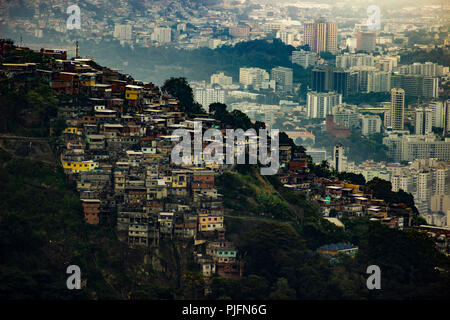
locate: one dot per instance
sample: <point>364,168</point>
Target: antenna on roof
<point>77,50</point>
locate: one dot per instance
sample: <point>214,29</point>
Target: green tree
<point>282,291</point>
<point>180,89</point>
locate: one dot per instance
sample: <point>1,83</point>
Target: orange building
<point>91,208</point>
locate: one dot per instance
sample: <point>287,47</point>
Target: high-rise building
<point>363,76</point>
<point>348,60</point>
<point>283,78</point>
<point>404,182</point>
<point>285,37</point>
<point>241,32</point>
<point>123,32</point>
<point>370,124</point>
<point>437,108</point>
<point>321,36</point>
<point>446,121</point>
<point>440,203</point>
<point>253,77</point>
<point>317,155</point>
<point>345,82</point>
<point>326,79</point>
<point>320,104</point>
<point>162,35</point>
<point>424,121</point>
<point>321,79</point>
<point>379,81</point>
<point>411,147</point>
<point>366,41</point>
<point>338,158</point>
<point>416,85</point>
<point>387,118</point>
<point>441,181</point>
<point>397,108</point>
<point>303,58</point>
<point>425,69</point>
<point>346,115</point>
<point>221,79</point>
<point>206,96</point>
<point>424,187</point>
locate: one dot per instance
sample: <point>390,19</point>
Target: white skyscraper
<point>424,121</point>
<point>370,124</point>
<point>221,79</point>
<point>404,182</point>
<point>437,108</point>
<point>303,58</point>
<point>283,78</point>
<point>253,77</point>
<point>123,32</point>
<point>379,81</point>
<point>441,181</point>
<point>411,147</point>
<point>320,104</point>
<point>285,37</point>
<point>339,158</point>
<point>424,190</point>
<point>347,60</point>
<point>206,96</point>
<point>397,108</point>
<point>162,35</point>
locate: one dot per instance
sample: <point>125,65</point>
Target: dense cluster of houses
<point>117,146</point>
<point>337,199</point>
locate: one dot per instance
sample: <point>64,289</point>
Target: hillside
<point>279,257</point>
<point>42,232</point>
<point>159,63</point>
<point>276,231</point>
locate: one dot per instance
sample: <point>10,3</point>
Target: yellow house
<point>87,79</point>
<point>354,187</point>
<point>78,166</point>
<point>132,92</point>
<point>179,179</point>
<point>72,130</point>
<point>212,165</point>
<point>208,222</point>
<point>167,179</point>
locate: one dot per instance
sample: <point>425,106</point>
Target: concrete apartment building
<point>320,104</point>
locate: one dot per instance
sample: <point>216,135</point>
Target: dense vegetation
<point>26,109</point>
<point>159,63</point>
<point>179,88</point>
<point>233,119</point>
<point>423,37</point>
<point>371,98</point>
<point>42,232</point>
<point>357,147</point>
<point>280,262</point>
<point>382,189</point>
<point>438,55</point>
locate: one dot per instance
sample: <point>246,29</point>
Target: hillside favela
<point>237,150</point>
